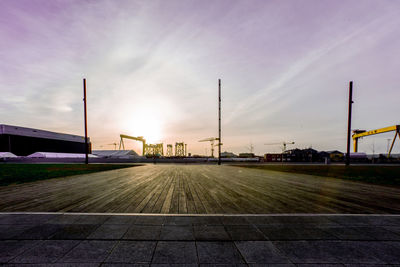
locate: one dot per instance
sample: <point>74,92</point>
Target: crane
<point>284,144</point>
<point>363,133</point>
<point>139,138</point>
<point>211,140</point>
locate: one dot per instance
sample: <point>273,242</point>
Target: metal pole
<point>349,123</point>
<point>85,118</point>
<point>219,121</point>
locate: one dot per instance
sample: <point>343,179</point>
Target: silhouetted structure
<point>23,141</point>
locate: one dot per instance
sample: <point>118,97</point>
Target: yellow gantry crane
<point>139,138</point>
<point>148,149</point>
<point>357,134</point>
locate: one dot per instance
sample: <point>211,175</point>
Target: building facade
<point>23,141</point>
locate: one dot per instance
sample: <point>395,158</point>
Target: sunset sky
<point>152,70</point>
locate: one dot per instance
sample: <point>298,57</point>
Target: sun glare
<point>146,126</point>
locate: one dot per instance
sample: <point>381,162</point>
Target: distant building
<point>302,155</point>
<point>228,155</point>
<point>23,141</point>
<point>246,155</point>
<point>275,157</point>
<point>335,155</point>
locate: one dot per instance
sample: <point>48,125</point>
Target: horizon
<point>152,70</point>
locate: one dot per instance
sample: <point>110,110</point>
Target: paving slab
<point>207,220</point>
<point>357,220</point>
<point>192,240</point>
<point>275,232</point>
<point>175,232</point>
<point>74,231</point>
<point>325,252</point>
<point>89,251</point>
<point>109,231</point>
<point>9,231</point>
<point>175,252</point>
<point>64,219</point>
<point>320,264</point>
<point>31,219</point>
<point>9,249</point>
<point>223,265</point>
<point>179,220</point>
<point>150,220</point>
<point>234,220</point>
<point>91,219</point>
<point>379,233</point>
<point>218,252</point>
<point>47,251</point>
<point>132,252</point>
<point>42,231</point>
<point>386,252</point>
<point>305,252</point>
<point>347,233</point>
<point>173,265</point>
<point>125,264</point>
<point>244,232</point>
<point>210,233</point>
<point>260,252</point>
<point>299,221</point>
<point>272,265</point>
<point>143,232</point>
<point>121,219</point>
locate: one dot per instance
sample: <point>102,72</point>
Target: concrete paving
<point>67,239</point>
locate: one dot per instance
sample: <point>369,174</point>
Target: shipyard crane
<point>211,140</point>
<point>139,138</point>
<point>357,134</point>
<point>284,144</point>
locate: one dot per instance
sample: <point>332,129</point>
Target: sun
<point>147,126</point>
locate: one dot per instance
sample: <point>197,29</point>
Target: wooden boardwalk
<point>199,189</point>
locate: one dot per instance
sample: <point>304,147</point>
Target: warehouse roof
<point>53,155</point>
<point>30,132</point>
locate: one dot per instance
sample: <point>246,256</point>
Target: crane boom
<point>138,138</point>
<point>362,133</point>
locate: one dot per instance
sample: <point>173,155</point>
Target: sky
<point>152,70</point>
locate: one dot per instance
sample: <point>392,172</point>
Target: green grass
<point>22,173</point>
<point>384,175</point>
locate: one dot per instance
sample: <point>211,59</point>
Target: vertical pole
<point>349,123</point>
<point>219,121</point>
<point>85,118</point>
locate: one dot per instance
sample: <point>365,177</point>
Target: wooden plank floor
<point>199,189</point>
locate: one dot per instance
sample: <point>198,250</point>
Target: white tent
<point>4,155</point>
<point>53,155</point>
<point>120,154</point>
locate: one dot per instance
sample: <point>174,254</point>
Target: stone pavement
<point>65,239</point>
